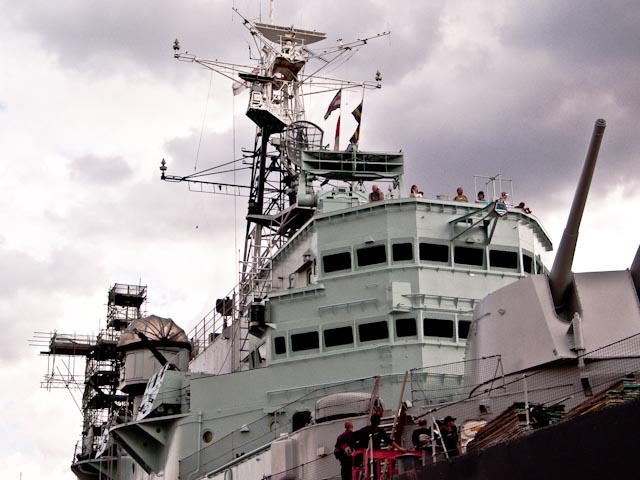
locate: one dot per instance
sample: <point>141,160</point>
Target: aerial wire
<point>235,197</point>
<point>204,119</point>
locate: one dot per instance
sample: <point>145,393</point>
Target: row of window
<point>428,252</point>
<point>367,332</point>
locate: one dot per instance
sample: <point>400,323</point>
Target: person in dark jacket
<point>450,438</point>
<point>421,436</point>
<point>378,436</point>
<point>343,449</point>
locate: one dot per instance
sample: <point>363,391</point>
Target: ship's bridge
<point>404,272</point>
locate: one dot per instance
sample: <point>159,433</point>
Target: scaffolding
<point>102,401</point>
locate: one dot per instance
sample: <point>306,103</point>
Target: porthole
<point>207,436</point>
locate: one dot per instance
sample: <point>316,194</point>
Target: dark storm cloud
<point>102,35</point>
<point>525,109</point>
<point>577,31</point>
<point>414,34</point>
<point>593,46</point>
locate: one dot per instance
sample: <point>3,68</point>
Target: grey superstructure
<point>339,297</point>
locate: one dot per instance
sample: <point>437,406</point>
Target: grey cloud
<point>529,116</point>
<point>577,31</point>
<point>65,270</point>
<point>99,170</point>
<point>143,208</point>
<point>31,289</point>
<point>593,45</point>
<point>101,36</point>
<point>414,32</point>
<point>525,110</point>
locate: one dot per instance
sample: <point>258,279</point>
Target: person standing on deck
<point>449,432</point>
<point>343,449</point>
<point>376,194</point>
<point>460,197</point>
<point>415,192</point>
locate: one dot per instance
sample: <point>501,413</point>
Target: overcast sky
<point>91,100</point>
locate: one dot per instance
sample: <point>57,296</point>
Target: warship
<point>347,304</point>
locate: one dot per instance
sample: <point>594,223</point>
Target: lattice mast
<point>276,106</point>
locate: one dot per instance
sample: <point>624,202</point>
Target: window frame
<point>398,241</point>
<point>439,318</point>
<point>304,351</point>
<point>370,246</point>
<point>482,266</point>
<point>405,337</point>
<point>427,241</point>
<point>341,345</point>
<point>506,250</point>
<point>364,323</point>
<point>330,253</point>
<point>284,337</point>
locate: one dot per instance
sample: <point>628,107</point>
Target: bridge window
<point>503,259</point>
<point>280,345</point>
<point>469,256</point>
<point>402,252</point>
<point>463,328</point>
<point>336,262</point>
<point>304,341</point>
<point>527,263</point>
<point>371,255</point>
<point>406,327</point>
<point>338,336</point>
<point>435,327</point>
<point>368,332</point>
<point>434,252</point>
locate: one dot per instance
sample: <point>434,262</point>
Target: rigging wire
<point>66,384</point>
<point>207,170</point>
<point>235,199</point>
<point>204,119</point>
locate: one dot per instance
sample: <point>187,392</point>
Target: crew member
<point>377,434</point>
<point>449,432</point>
<point>343,450</point>
<point>421,436</point>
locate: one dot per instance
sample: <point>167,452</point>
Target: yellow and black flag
<point>357,114</point>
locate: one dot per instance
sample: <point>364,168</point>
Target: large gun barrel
<point>560,276</point>
<point>635,271</point>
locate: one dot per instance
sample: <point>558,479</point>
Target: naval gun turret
<point>560,278</point>
<point>147,346</point>
<point>542,319</point>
